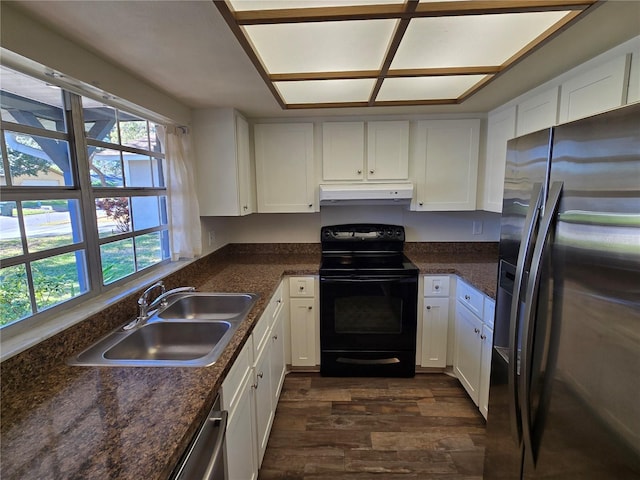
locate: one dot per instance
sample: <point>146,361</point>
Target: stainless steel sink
<point>204,306</point>
<point>191,331</point>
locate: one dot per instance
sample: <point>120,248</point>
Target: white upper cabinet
<point>501,127</point>
<point>285,177</point>
<point>538,112</point>
<point>225,180</point>
<point>388,150</point>
<point>446,164</point>
<point>386,157</point>
<point>343,151</point>
<point>602,88</point>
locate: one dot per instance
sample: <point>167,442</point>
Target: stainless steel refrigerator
<point>564,401</point>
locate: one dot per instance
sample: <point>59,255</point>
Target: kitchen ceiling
<point>187,49</point>
<point>367,53</point>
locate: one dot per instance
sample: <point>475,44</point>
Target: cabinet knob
<point>483,337</point>
<point>245,207</point>
<point>436,287</point>
<point>359,172</point>
<point>310,307</point>
<point>476,330</point>
<point>428,307</point>
<point>420,203</point>
<point>371,172</point>
<point>467,298</point>
<point>275,337</point>
<point>301,288</point>
<point>260,375</point>
<point>310,205</point>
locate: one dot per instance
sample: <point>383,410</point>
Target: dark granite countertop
<point>70,422</point>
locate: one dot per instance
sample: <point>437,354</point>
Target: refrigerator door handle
<point>530,223</point>
<point>528,326</point>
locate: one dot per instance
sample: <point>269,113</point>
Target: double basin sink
<point>192,330</point>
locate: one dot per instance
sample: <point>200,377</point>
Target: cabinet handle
<point>476,330</point>
<point>258,376</point>
<point>245,207</point>
<point>275,337</point>
<point>310,205</point>
<point>310,307</point>
<point>371,172</point>
<point>483,337</point>
<point>467,298</point>
<point>359,172</point>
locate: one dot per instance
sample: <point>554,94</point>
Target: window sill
<point>15,339</point>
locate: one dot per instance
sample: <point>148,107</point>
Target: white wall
<point>305,227</point>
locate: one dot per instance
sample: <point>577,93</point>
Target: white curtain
<point>184,213</point>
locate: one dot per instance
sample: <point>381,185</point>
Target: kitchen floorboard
<point>328,428</point>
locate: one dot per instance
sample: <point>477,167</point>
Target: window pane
<point>113,216</point>
<point>10,238</point>
<point>164,216</point>
<point>117,260</point>
<point>51,223</point>
<point>57,279</point>
<point>14,294</point>
<point>134,132</point>
<point>105,166</point>
<point>38,161</point>
<point>99,121</point>
<point>139,170</point>
<point>149,250</point>
<point>145,212</point>
<point>153,137</point>
<point>31,102</point>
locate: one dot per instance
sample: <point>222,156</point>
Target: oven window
<point>368,314</point>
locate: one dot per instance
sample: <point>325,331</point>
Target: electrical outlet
<point>212,237</point>
<point>477,228</point>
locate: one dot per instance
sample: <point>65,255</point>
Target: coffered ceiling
<point>367,53</point>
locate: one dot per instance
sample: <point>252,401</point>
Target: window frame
<point>22,333</point>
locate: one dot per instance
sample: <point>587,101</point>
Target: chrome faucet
<point>146,308</point>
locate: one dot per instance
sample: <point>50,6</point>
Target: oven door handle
<point>365,279</point>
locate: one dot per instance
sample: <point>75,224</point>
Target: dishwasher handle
<point>203,462</point>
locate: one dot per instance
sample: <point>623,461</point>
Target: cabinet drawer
<point>260,333</point>
<point>231,390</point>
<point>436,286</point>
<point>302,286</point>
<point>471,298</point>
<point>489,311</point>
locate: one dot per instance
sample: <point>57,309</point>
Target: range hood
<point>366,194</point>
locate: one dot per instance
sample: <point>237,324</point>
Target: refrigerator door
<point>583,376</point>
<point>526,174</point>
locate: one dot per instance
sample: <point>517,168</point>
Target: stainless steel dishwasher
<point>204,459</point>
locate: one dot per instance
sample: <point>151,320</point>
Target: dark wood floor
<point>374,428</point>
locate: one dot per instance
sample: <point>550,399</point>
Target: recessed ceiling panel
<point>326,91</point>
<point>473,40</point>
<point>426,88</point>
<point>243,5</point>
<point>322,46</point>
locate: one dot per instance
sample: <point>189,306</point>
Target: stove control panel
<point>364,232</point>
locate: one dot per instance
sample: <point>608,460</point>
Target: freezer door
<point>584,366</point>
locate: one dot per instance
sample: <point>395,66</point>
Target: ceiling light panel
<point>474,40</point>
<point>244,5</point>
<point>322,46</point>
<point>326,91</point>
<point>426,88</point>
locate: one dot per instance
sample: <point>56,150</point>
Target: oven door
<point>368,312</point>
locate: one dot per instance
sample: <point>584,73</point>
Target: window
<point>83,199</point>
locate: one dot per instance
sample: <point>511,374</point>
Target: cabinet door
<point>278,368</point>
<point>466,362</point>
<point>501,128</point>
<point>447,154</point>
<point>224,180</point>
<point>601,88</point>
<point>486,339</point>
<point>240,443</point>
<point>285,175</point>
<point>388,150</point>
<point>303,332</point>
<point>538,112</point>
<point>342,150</point>
<point>246,187</point>
<point>263,404</point>
<point>435,323</point>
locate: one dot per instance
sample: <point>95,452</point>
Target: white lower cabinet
<point>435,321</point>
<point>305,342</point>
<point>474,341</point>
<point>251,390</point>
